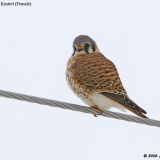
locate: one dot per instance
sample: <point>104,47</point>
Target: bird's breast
<point>74,81</point>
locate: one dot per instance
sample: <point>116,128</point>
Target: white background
<point>35,44</point>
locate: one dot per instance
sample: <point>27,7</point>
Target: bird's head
<point>83,44</point>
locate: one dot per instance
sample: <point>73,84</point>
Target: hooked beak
<point>80,47</point>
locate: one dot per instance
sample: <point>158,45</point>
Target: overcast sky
<point>35,44</point>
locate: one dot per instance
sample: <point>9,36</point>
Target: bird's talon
<point>97,109</point>
<point>96,115</point>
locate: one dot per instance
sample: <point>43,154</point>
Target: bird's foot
<point>97,109</point>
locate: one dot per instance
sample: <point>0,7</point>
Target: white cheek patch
<point>90,49</point>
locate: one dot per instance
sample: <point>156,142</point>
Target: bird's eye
<point>86,47</point>
<point>74,48</point>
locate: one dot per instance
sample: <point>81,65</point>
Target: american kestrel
<point>94,78</point>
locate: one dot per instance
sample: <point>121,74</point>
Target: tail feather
<point>138,111</point>
<point>126,102</point>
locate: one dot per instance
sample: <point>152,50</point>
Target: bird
<point>95,79</point>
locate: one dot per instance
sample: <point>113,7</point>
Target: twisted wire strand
<point>75,107</point>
